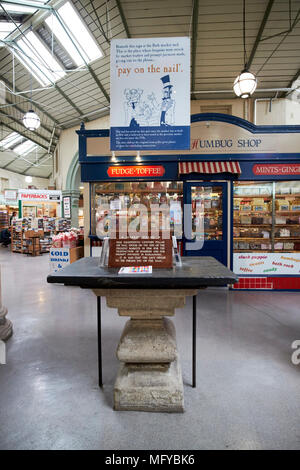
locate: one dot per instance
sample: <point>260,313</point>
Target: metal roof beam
<point>260,32</point>
<point>295,77</point>
<point>35,163</point>
<point>123,18</point>
<point>194,43</point>
<point>99,84</point>
<point>10,86</point>
<point>25,3</point>
<point>20,173</point>
<point>22,134</point>
<point>71,103</point>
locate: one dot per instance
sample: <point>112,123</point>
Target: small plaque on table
<point>130,252</point>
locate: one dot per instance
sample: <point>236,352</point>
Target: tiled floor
<point>248,393</point>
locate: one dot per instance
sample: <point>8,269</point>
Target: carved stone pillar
<point>149,377</point>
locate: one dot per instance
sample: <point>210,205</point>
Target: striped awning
<point>209,167</point>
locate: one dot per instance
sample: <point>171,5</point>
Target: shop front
<point>38,203</point>
<point>234,196</point>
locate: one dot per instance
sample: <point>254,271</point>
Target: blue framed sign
<point>150,94</point>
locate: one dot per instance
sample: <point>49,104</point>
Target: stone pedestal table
<point>149,377</point>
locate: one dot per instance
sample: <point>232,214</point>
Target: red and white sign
<point>39,195</point>
<point>137,171</point>
<point>277,169</point>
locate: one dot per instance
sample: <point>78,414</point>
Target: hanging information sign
<point>150,94</point>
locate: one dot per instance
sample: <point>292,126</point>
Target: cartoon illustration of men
<point>131,104</point>
<point>167,116</point>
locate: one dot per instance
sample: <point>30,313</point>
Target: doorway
<point>206,220</point>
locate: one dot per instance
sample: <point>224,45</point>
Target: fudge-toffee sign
<point>135,171</point>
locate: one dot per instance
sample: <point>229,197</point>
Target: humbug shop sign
<point>150,94</point>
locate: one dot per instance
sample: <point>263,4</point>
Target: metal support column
<point>99,341</point>
<point>194,339</point>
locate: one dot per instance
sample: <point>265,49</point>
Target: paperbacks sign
<point>130,252</point>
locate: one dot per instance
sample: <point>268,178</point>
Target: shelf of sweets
<point>287,225</point>
<point>286,251</point>
<point>240,239</point>
<point>257,196</point>
<point>239,250</point>
<point>289,195</point>
<point>287,213</point>
<point>251,225</point>
<point>297,239</point>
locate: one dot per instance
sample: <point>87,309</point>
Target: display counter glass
<point>115,199</point>
<point>207,212</point>
<point>266,217</point>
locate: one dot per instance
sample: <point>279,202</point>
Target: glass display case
<point>266,217</point>
<point>287,216</point>
<point>207,212</point>
<point>113,200</point>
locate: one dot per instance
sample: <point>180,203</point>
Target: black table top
<point>202,271</point>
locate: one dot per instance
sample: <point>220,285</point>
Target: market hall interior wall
<point>17,181</point>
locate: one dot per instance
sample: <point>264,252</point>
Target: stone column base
<point>149,378</point>
<point>6,328</point>
<point>149,387</point>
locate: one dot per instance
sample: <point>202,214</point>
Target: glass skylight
<point>25,148</point>
<point>10,140</point>
<point>38,60</point>
<point>6,27</point>
<point>18,8</point>
<point>81,39</point>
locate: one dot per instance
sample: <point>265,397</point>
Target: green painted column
<point>74,194</point>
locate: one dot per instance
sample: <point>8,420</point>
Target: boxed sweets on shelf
<point>267,220</point>
<point>293,220</point>
<point>282,205</point>
<point>243,246</point>
<point>257,220</point>
<point>288,246</point>
<point>245,220</point>
<point>283,232</point>
<point>245,207</point>
<point>296,206</point>
<point>278,246</point>
<point>279,220</point>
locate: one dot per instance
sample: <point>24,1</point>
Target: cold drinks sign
<point>150,94</point>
